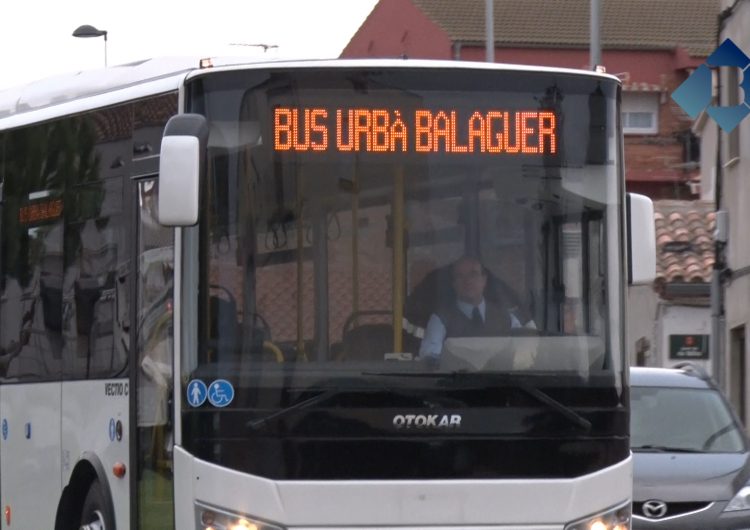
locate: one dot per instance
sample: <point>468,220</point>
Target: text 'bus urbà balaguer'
<point>383,130</point>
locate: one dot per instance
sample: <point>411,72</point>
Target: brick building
<point>652,45</point>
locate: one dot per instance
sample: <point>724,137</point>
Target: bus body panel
<point>30,456</point>
<point>346,501</point>
<point>401,503</point>
<point>73,420</point>
<point>93,430</point>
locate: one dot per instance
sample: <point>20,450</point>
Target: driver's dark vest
<point>496,322</point>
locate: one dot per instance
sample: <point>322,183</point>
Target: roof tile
<point>684,241</point>
<point>626,24</point>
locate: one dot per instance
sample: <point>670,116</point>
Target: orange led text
<point>420,131</point>
<point>40,211</point>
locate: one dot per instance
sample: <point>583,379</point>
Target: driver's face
<point>469,281</point>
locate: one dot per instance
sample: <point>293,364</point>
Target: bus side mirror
<point>182,163</point>
<point>641,239</point>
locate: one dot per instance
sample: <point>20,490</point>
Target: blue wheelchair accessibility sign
<point>196,393</point>
<point>220,393</point>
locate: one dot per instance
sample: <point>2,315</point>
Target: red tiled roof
<point>684,241</point>
<point>625,24</point>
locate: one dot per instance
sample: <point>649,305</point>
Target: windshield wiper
<point>507,380</point>
<point>718,434</point>
<point>664,449</point>
<point>261,422</point>
<point>326,394</point>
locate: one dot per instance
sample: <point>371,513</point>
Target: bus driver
<point>471,314</point>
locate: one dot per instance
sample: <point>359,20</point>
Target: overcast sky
<point>36,41</point>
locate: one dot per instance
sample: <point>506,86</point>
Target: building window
<point>640,113</point>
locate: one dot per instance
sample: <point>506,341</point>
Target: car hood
<point>688,477</point>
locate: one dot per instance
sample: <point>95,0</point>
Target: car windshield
<point>682,420</point>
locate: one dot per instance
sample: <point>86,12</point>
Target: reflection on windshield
<point>682,420</point>
<point>531,301</point>
<point>477,263</point>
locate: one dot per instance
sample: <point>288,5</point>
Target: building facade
<point>670,322</point>
<point>732,174</point>
<point>651,45</point>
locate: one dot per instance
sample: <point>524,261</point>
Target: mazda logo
<point>654,509</point>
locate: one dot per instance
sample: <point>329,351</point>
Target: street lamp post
<point>87,31</point>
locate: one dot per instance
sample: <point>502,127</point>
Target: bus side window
<point>30,334</point>
<point>94,246</point>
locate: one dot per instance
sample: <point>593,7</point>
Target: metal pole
<point>355,248</point>
<point>717,364</point>
<point>715,344</point>
<point>721,238</point>
<point>320,274</point>
<point>595,45</point>
<point>300,272</point>
<point>105,49</point>
<point>399,259</point>
<point>489,24</point>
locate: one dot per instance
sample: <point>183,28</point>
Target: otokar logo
<point>427,421</point>
<point>694,94</point>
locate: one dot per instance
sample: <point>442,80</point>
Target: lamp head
<point>87,31</point>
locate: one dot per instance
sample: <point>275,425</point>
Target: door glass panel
<point>154,379</point>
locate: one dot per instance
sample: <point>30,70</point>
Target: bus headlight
<point>741,501</point>
<point>614,519</point>
<point>209,518</point>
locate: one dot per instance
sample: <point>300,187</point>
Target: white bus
<point>236,297</point>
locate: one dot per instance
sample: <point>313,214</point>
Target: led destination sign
<point>392,130</point>
<point>40,212</point>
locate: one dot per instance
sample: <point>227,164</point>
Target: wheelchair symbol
<point>220,393</point>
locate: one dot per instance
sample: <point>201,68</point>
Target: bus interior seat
<point>223,328</point>
<point>225,334</point>
<point>368,342</point>
<point>372,339</point>
<point>436,290</point>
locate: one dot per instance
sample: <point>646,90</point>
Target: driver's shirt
<point>435,332</point>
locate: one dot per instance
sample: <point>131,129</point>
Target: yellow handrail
<point>398,211</point>
<point>300,271</point>
<point>275,350</point>
<point>355,247</point>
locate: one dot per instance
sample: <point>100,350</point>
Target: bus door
<point>153,379</point>
<point>2,183</point>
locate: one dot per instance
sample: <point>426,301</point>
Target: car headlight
<point>741,501</point>
<point>613,519</point>
<point>209,518</point>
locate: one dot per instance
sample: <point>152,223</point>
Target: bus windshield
<point>378,242</point>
